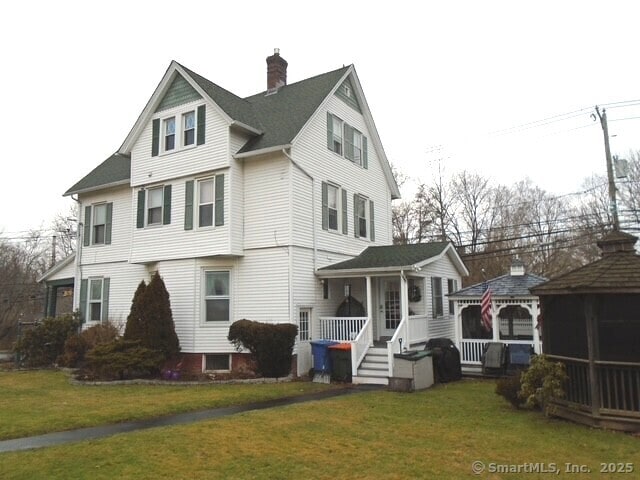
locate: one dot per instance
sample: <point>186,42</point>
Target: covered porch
<point>383,302</point>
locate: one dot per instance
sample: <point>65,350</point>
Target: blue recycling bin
<point>321,357</point>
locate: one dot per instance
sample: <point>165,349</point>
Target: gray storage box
<point>416,366</point>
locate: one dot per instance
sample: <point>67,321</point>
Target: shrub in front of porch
<point>43,344</point>
<point>542,381</point>
<point>77,346</point>
<point>271,344</point>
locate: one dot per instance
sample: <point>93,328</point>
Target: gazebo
<point>592,325</point>
<point>514,314</point>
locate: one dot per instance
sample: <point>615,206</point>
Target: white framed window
<point>361,215</point>
<point>95,299</point>
<point>333,206</point>
<point>189,128</point>
<point>217,362</point>
<point>353,144</point>
<point>217,296</point>
<point>436,297</point>
<point>99,224</point>
<point>334,133</point>
<point>205,202</point>
<point>304,324</point>
<point>169,130</point>
<point>154,205</point>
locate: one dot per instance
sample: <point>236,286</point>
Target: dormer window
<point>189,128</point>
<point>169,133</point>
<point>346,141</point>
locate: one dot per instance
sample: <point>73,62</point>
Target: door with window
<point>390,312</point>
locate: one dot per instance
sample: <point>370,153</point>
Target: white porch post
<point>369,311</point>
<point>534,323</point>
<point>495,323</point>
<point>404,306</point>
<point>457,318</point>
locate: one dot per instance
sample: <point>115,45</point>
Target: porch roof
<point>504,286</point>
<point>395,258</point>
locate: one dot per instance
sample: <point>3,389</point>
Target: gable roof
<point>274,119</point>
<point>396,257</point>
<point>115,170</point>
<point>503,286</point>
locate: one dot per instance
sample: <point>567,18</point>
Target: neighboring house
<point>514,314</point>
<point>238,203</point>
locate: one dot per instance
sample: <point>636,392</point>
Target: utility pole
<point>612,184</point>
<point>53,250</point>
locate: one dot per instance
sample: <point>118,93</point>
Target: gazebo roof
<point>618,271</point>
<point>503,286</point>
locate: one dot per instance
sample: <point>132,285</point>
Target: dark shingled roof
<point>506,285</point>
<point>391,256</point>
<point>284,113</point>
<point>618,271</point>
<point>115,169</point>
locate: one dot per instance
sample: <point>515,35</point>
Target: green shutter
<point>107,227</point>
<point>345,227</point>
<point>329,131</point>
<point>155,137</point>
<point>325,206</point>
<point>348,142</point>
<point>219,205</point>
<point>105,300</point>
<point>140,213</point>
<point>372,223</point>
<point>201,124</point>
<point>166,210</point>
<point>356,224</point>
<point>84,286</point>
<point>188,205</point>
<point>365,154</point>
<point>86,241</point>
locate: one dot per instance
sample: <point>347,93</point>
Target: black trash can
<point>340,354</point>
<point>446,360</point>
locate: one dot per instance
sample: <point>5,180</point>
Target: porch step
<point>374,368</point>
<point>369,380</point>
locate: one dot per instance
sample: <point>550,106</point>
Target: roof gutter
<point>262,151</point>
<point>354,272</point>
<point>97,187</point>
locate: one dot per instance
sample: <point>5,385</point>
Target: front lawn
<point>34,402</point>
<point>437,433</point>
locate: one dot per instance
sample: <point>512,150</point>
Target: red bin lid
<point>340,346</point>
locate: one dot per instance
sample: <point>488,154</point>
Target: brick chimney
<point>276,71</point>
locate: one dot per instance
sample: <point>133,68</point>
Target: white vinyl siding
<point>444,325</point>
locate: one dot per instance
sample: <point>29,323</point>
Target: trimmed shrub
<point>271,344</point>
<point>77,346</point>
<point>123,359</point>
<point>542,381</point>
<point>151,321</point>
<point>43,344</point>
<point>509,388</point>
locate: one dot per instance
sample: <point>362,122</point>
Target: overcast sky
<point>444,80</point>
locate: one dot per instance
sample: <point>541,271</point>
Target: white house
<point>243,205</point>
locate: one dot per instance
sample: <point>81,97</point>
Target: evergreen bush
<point>509,388</point>
<point>77,346</point>
<point>123,359</point>
<point>43,344</point>
<point>542,381</point>
<point>271,344</point>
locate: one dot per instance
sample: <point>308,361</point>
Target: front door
<point>390,309</point>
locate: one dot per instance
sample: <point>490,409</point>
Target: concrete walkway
<point>91,433</point>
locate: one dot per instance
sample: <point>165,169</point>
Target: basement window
<point>218,362</point>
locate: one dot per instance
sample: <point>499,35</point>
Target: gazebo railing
<point>471,349</point>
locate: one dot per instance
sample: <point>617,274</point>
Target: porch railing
<point>618,384</point>
<point>341,329</point>
<point>360,345</point>
<point>398,343</point>
<point>418,329</point>
<point>471,349</point>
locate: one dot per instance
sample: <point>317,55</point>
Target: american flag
<point>485,308</point>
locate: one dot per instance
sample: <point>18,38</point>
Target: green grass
<point>34,402</point>
<point>436,433</point>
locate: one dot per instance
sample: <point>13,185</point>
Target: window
<point>95,300</point>
<point>361,215</point>
<point>217,362</point>
<point>189,128</point>
<point>169,134</point>
<point>99,223</point>
<point>452,286</point>
<point>334,133</point>
<point>436,297</point>
<point>154,206</point>
<point>304,320</point>
<point>332,205</point>
<point>216,296</point>
<point>353,144</point>
<point>205,202</point>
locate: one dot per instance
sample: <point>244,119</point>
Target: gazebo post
<point>593,343</point>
